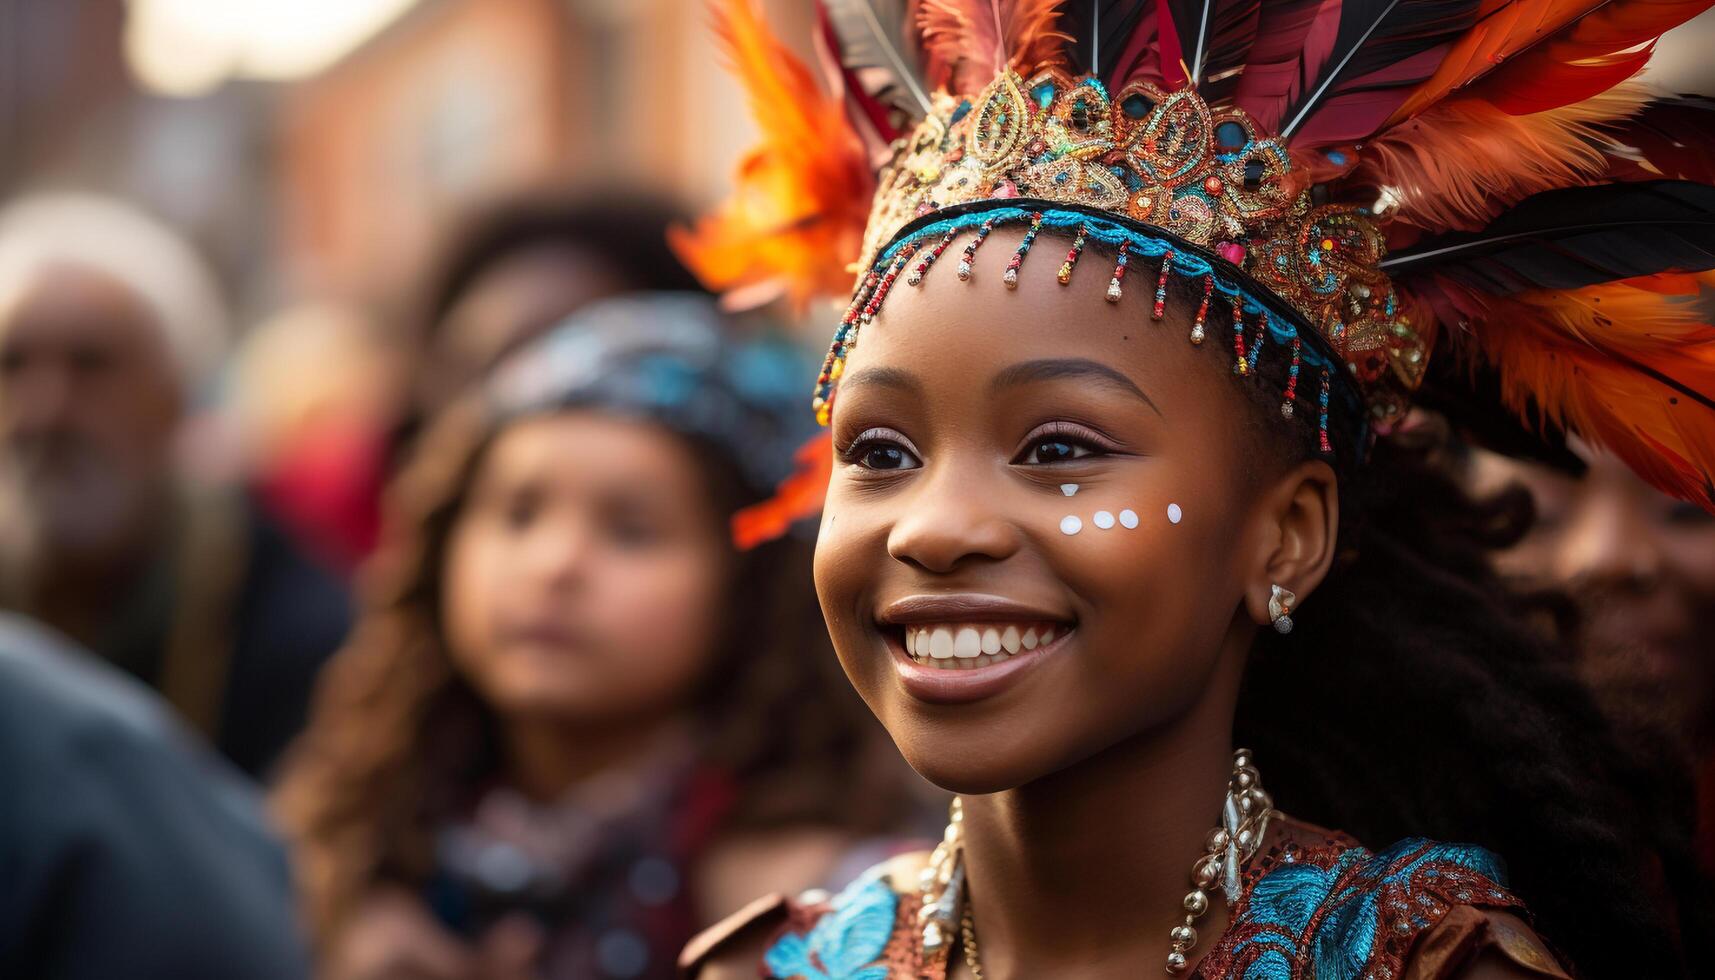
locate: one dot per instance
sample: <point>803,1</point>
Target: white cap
<point>136,250</point>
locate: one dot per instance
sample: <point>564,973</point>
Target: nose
<point>1610,544</point>
<point>558,555</point>
<point>949,523</point>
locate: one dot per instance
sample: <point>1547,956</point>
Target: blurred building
<point>318,149</point>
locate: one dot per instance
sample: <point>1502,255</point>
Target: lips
<point>960,648</point>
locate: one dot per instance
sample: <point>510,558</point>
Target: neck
<point>545,757</point>
<point>1085,871</point>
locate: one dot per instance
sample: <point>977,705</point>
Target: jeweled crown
<point>1171,161</point>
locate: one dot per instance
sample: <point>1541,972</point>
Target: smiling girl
<point>1125,510</point>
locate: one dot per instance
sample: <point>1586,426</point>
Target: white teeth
<point>961,646</point>
<point>967,645</point>
<point>941,643</point>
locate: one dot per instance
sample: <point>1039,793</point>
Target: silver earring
<point>1280,609</point>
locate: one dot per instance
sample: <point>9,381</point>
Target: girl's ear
<point>1293,536</point>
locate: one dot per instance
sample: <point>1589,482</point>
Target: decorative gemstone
<point>1213,185</point>
<point>1231,251</point>
<point>1005,189</point>
<point>1254,169</point>
<point>1230,136</point>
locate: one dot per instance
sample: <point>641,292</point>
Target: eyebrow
<point>1056,369</point>
<point>882,377</point>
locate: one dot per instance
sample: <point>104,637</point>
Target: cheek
<point>660,614</point>
<point>851,548</point>
<point>1149,565</point>
<point>471,581</point>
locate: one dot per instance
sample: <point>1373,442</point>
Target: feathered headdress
<point>1360,181</point>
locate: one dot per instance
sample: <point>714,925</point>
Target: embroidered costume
<point>1314,905</point>
<point>1461,203</point>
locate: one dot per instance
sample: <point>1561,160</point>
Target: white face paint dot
<point>1068,488</point>
<point>1104,520</point>
<point>1128,517</point>
<point>1174,513</point>
<point>1070,524</point>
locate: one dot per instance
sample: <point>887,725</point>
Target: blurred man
<point>128,850</point>
<point>1642,568</point>
<point>109,326</point>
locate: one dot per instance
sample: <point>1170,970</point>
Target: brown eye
<point>881,456</point>
<point>880,449</point>
<point>1046,452</point>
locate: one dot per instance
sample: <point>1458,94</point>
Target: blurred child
<point>574,723</point>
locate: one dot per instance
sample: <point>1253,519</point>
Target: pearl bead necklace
<point>1244,820</point>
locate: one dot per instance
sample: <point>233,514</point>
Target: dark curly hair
<point>396,736</point>
<point>1418,696</point>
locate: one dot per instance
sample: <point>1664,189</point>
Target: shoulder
<point>1322,899</point>
<point>846,935</point>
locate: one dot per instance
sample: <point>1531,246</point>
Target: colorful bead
<point>1256,345</point>
<point>1322,423</point>
<point>1161,286</point>
<point>929,257</point>
<point>1077,249</point>
<point>1202,310</point>
<point>971,250</point>
<point>1292,378</point>
<point>1119,272</point>
<point>1010,276</point>
<point>1240,365</point>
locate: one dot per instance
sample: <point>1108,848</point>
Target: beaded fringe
<point>1249,339</point>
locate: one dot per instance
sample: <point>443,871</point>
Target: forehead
<point>592,448</point>
<point>946,331</point>
<point>73,304</point>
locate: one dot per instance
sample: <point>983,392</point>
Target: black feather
<point>1099,28</point>
<point>1379,38</point>
<point>1575,237</point>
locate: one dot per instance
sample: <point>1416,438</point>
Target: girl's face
<point>1038,467</point>
<point>585,574</point>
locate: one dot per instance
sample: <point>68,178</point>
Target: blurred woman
<point>573,722</point>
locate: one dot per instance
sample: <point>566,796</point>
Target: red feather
<point>1293,42</point>
<point>1503,28</point>
<point>1671,137</point>
<point>1603,47</point>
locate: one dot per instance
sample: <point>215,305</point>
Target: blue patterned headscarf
<point>673,359</point>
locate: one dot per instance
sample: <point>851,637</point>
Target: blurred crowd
<point>417,645</point>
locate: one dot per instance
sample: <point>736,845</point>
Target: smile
<point>971,646</point>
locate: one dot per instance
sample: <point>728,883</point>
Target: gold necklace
<point>1244,819</point>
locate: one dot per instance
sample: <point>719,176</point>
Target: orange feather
<point>1593,361</point>
<point>1461,162</point>
<point>1503,28</point>
<point>797,216</point>
<point>799,496</point>
<point>979,39</point>
<point>1605,46</point>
